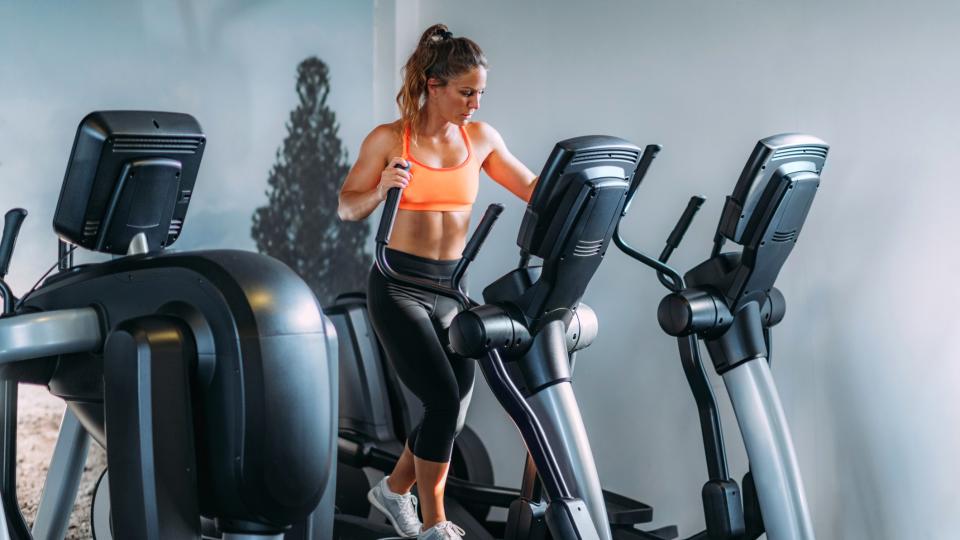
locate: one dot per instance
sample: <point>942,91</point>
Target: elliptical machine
<point>525,334</point>
<point>376,413</point>
<point>209,376</point>
<point>729,301</point>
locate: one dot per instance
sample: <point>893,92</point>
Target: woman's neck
<point>433,126</point>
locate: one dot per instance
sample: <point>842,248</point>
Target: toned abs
<point>433,235</point>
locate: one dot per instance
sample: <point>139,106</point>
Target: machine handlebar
<point>11,229</point>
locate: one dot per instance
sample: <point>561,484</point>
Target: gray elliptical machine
<point>730,303</point>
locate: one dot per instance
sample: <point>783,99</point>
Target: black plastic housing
<point>773,156</point>
<point>570,161</point>
<point>722,509</point>
<point>485,327</point>
<point>367,406</point>
<point>264,385</point>
<point>764,214</point>
<point>571,217</point>
<point>129,172</point>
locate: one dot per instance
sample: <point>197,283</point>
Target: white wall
<point>864,360</point>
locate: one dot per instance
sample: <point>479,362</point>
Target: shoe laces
<point>449,526</point>
<point>408,505</point>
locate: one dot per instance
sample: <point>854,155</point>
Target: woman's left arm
<point>504,167</point>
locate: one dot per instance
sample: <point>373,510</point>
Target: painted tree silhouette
<point>299,224</point>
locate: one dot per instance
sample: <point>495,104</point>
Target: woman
<point>444,150</point>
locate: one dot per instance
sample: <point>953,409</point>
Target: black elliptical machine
<point>376,413</point>
<point>209,376</point>
<point>729,301</point>
<point>525,335</point>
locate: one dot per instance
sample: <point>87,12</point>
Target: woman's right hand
<point>394,175</point>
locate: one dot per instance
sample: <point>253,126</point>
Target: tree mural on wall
<point>299,223</point>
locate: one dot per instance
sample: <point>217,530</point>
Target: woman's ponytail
<point>439,56</point>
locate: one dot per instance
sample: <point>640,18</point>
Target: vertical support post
<point>64,256</point>
<point>773,461</point>
<point>63,480</point>
<point>149,429</point>
<point>320,523</point>
<point>16,525</point>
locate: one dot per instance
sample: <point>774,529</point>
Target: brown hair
<point>440,56</point>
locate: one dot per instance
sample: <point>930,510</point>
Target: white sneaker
<point>445,530</point>
<point>401,510</point>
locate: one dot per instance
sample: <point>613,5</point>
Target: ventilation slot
<point>91,227</point>
<point>788,236</point>
<point>175,226</point>
<point>812,151</point>
<point>628,156</point>
<point>170,145</point>
<point>587,248</point>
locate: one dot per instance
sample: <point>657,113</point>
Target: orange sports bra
<point>447,189</point>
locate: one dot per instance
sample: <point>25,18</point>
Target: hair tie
<point>441,35</point>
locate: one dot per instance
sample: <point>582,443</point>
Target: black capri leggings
<point>412,326</point>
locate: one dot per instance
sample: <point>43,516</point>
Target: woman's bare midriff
<point>432,235</point>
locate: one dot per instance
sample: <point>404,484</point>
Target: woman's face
<point>457,100</point>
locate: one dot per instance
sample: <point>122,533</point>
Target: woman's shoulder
<point>384,140</point>
<point>482,131</point>
<point>386,134</point>
<point>484,138</point>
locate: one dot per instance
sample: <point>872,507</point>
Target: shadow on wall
<point>299,224</point>
<point>863,468</point>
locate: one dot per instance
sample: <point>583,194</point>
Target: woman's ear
<point>433,86</point>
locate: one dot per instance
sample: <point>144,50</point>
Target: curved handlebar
<point>676,235</point>
<point>11,229</point>
<point>390,207</point>
<point>480,235</point>
<point>476,240</point>
<point>669,277</point>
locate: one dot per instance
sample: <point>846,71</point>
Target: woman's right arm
<point>371,176</point>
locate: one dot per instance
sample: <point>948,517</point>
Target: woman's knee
<point>444,416</point>
<point>438,429</point>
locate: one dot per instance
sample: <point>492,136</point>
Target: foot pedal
<point>623,511</point>
<point>666,533</point>
<point>669,532</point>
